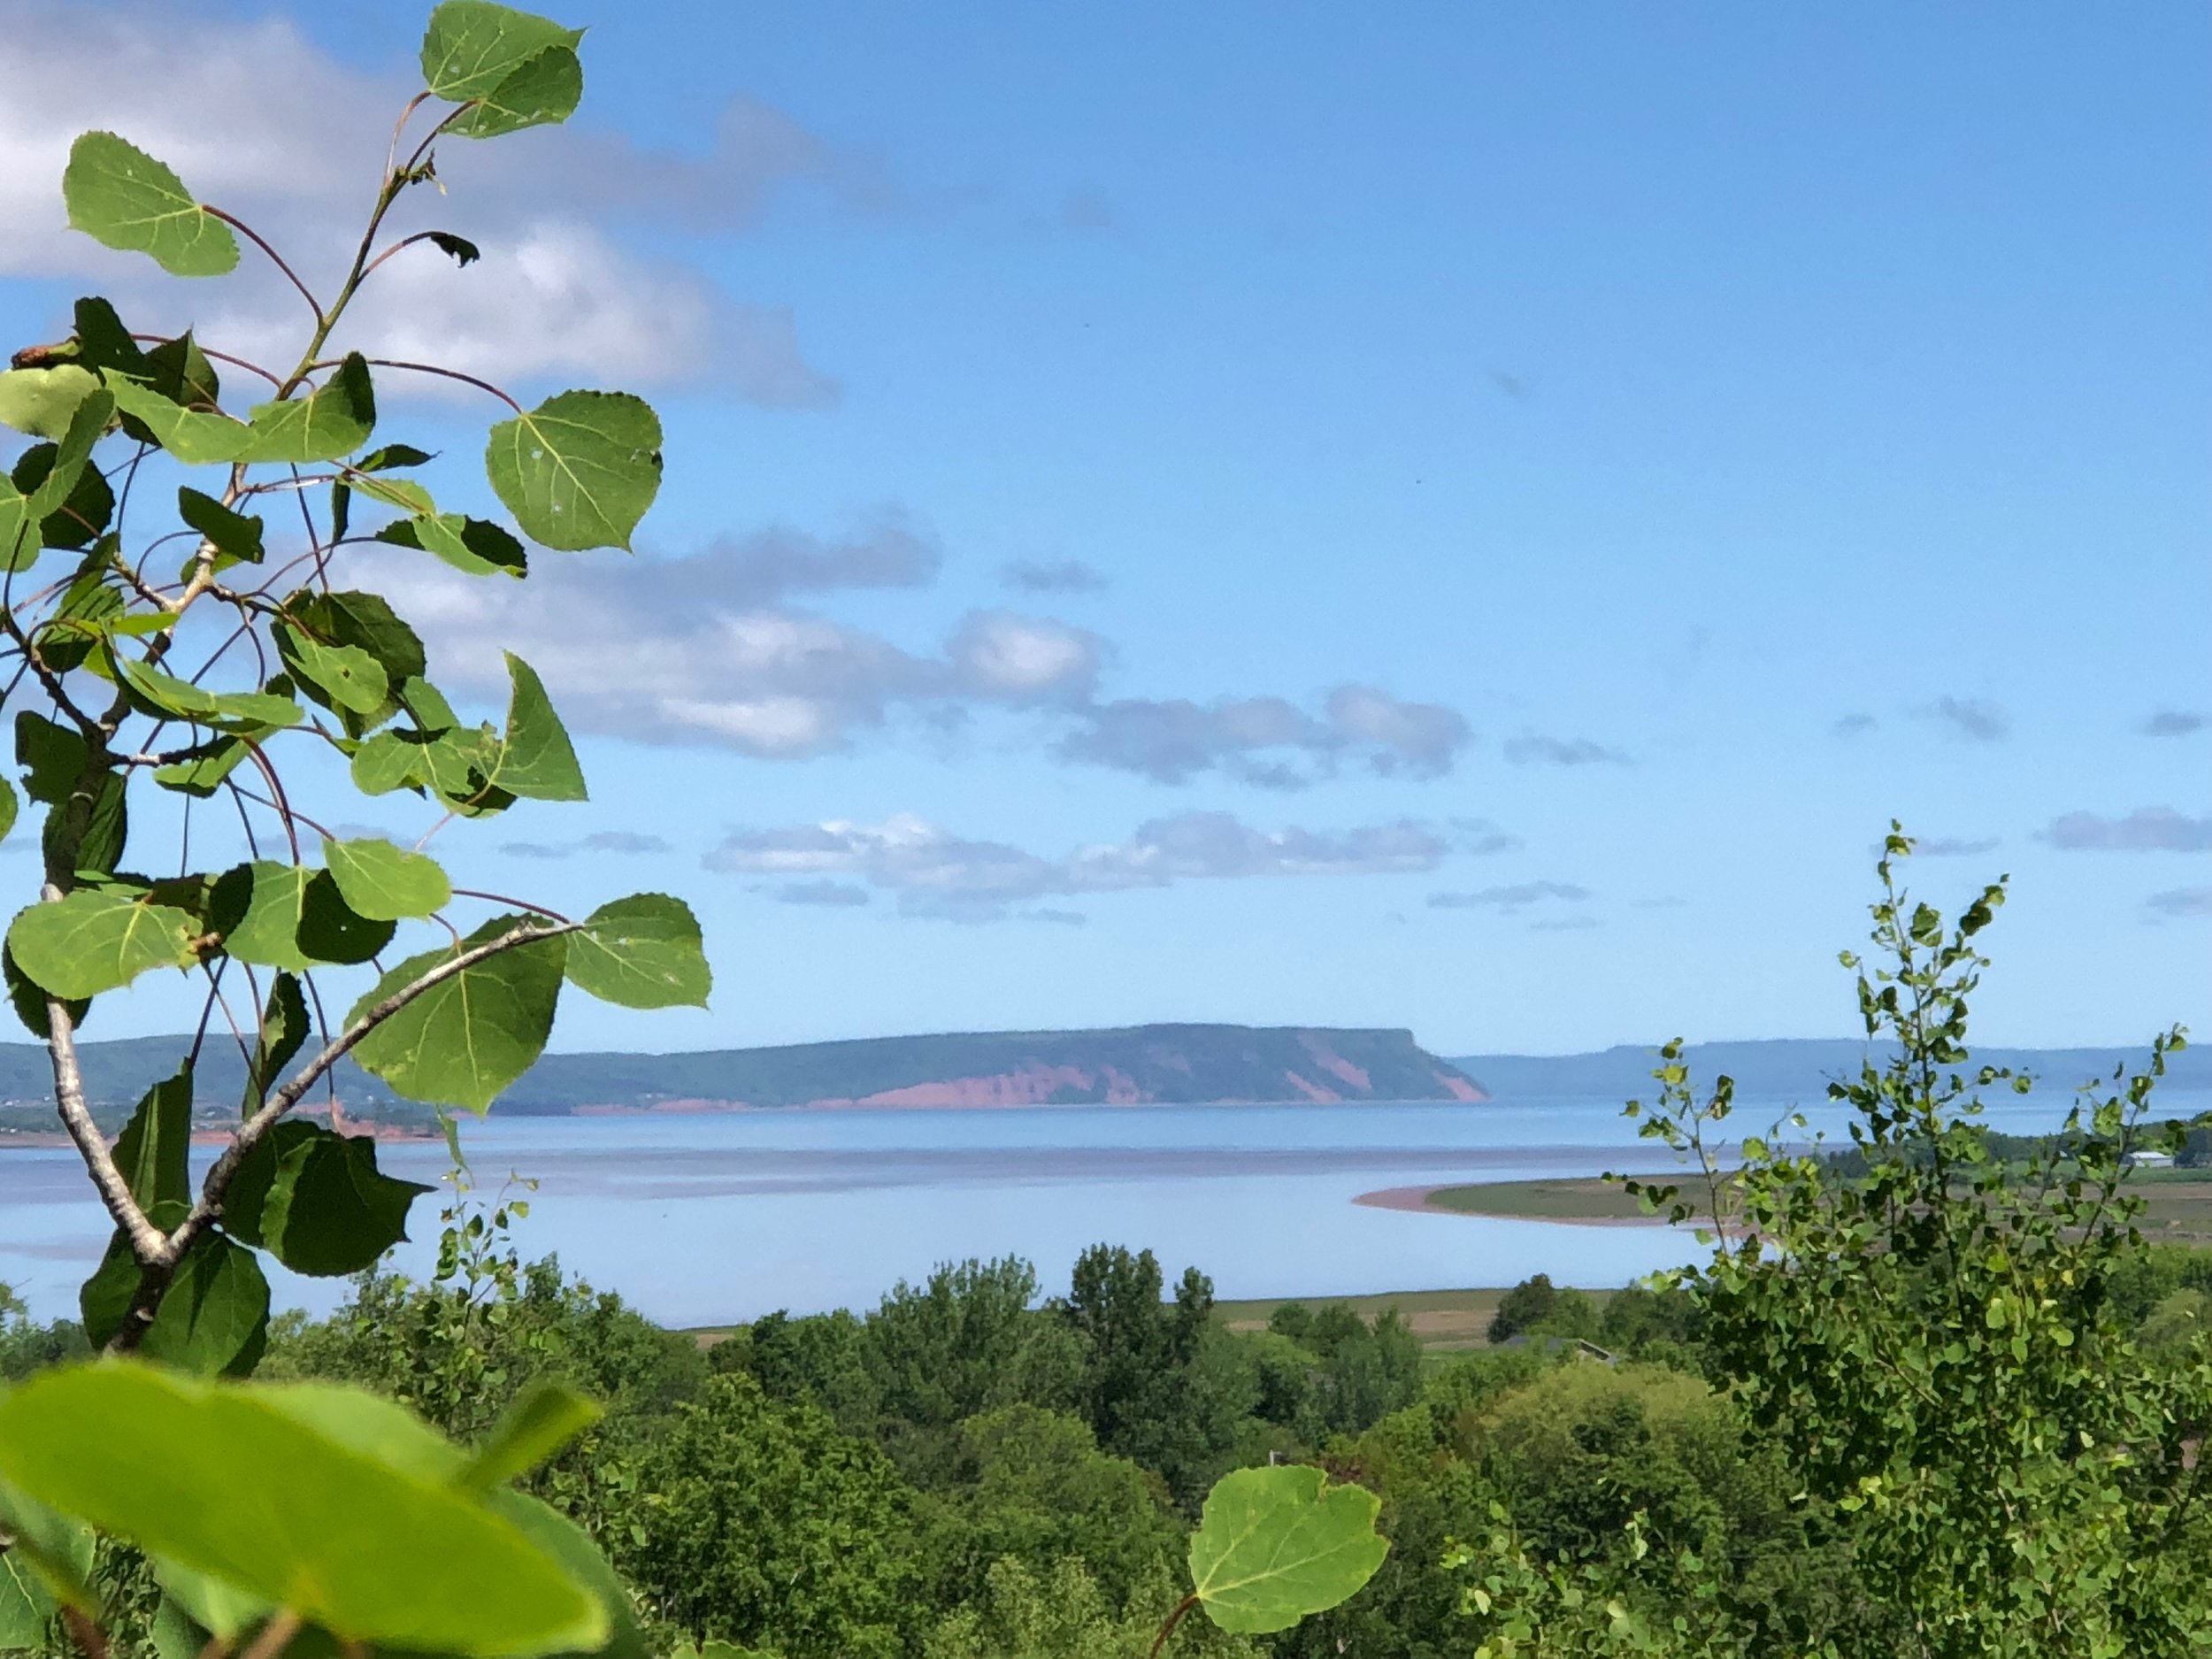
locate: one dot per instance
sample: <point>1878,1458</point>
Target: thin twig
<point>276,259</point>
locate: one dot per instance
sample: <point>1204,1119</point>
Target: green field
<point>1446,1321</point>
<point>1585,1198</point>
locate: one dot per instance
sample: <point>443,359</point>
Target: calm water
<point>697,1219</point>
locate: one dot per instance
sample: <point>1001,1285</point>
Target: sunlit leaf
<point>226,1480</point>
<point>474,1033</point>
<point>118,194</point>
<point>535,757</point>
<point>39,402</point>
<point>196,437</point>
<point>545,1418</point>
<point>543,89</point>
<point>299,919</point>
<point>383,883</point>
<point>98,938</point>
<point>471,45</point>
<point>332,421</point>
<point>643,951</point>
<point>226,711</point>
<point>347,677</point>
<point>1276,1544</point>
<point>579,470</point>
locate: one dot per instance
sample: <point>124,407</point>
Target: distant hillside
<point>1140,1063</point>
<point>1783,1069</point>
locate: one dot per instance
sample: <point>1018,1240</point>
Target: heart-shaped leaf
<point>118,194</point>
<point>643,951</point>
<point>316,1200</point>
<point>579,470</point>
<point>1276,1544</point>
<point>535,757</point>
<point>98,938</point>
<point>333,420</point>
<point>383,883</point>
<point>475,1032</point>
<point>298,918</point>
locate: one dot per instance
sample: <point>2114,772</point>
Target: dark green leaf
<point>579,470</point>
<point>463,251</point>
<point>284,1028</point>
<point>471,45</point>
<point>332,421</point>
<point>298,919</point>
<point>29,1001</point>
<point>87,831</point>
<point>469,1036</point>
<point>365,622</point>
<point>253,1486</point>
<point>98,938</point>
<point>316,1200</point>
<point>54,757</point>
<point>9,807</point>
<point>82,514</point>
<point>643,951</point>
<point>543,90</point>
<point>213,1319</point>
<point>386,457</point>
<point>181,373</point>
<point>236,535</point>
<point>152,1150</point>
<point>383,883</point>
<point>103,343</point>
<point>118,194</point>
<point>474,545</point>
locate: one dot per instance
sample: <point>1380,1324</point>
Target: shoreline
<point>1415,1200</point>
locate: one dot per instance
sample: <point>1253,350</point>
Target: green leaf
<point>545,1418</point>
<point>643,951</point>
<point>213,1319</point>
<point>236,535</point>
<point>386,457</point>
<point>460,248</point>
<point>471,46</point>
<point>383,883</point>
<point>195,437</point>
<point>543,90</point>
<point>121,197</point>
<point>474,1033</point>
<point>102,341</point>
<point>389,761</point>
<point>181,373</point>
<point>251,1486</point>
<point>60,481</point>
<point>316,1201</point>
<point>1273,1546</point>
<point>54,757</point>
<point>225,710</point>
<point>570,1545</point>
<point>202,774</point>
<point>579,470</point>
<point>47,1563</point>
<point>153,1149</point>
<point>212,1605</point>
<point>299,919</point>
<point>9,807</point>
<point>347,677</point>
<point>29,1001</point>
<point>475,546</point>
<point>366,623</point>
<point>334,420</point>
<point>98,938</point>
<point>39,402</point>
<point>80,516</point>
<point>535,758</point>
<point>86,833</point>
<point>284,1028</point>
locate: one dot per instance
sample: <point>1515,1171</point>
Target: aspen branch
<point>209,1207</point>
<point>146,1241</point>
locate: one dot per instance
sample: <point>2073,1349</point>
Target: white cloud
<point>2148,829</point>
<point>1268,741</point>
<point>258,121</point>
<point>952,878</point>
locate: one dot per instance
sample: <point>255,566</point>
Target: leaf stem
<point>276,259</point>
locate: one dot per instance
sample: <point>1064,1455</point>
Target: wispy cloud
<point>1854,726</point>
<point>1269,742</point>
<point>626,843</point>
<point>1066,576</point>
<point>1951,846</point>
<point>2175,723</point>
<point>939,874</point>
<point>1506,900</point>
<point>1534,749</point>
<point>2146,829</point>
<point>2181,902</point>
<point>1974,718</point>
<point>838,894</point>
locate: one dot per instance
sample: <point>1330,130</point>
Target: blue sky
<point>1471,518</point>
